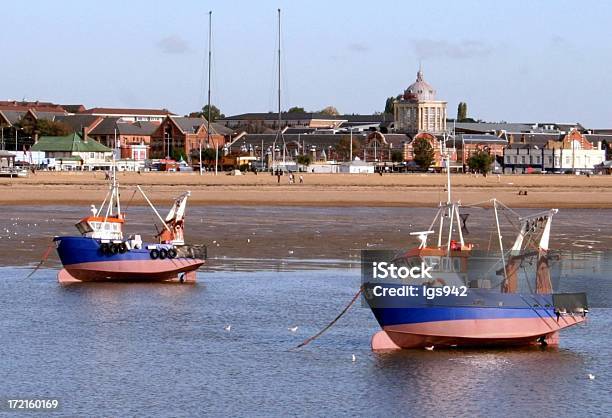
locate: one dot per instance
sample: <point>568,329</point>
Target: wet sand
<point>281,237</point>
<point>403,190</point>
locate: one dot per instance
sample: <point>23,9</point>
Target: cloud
<point>466,49</point>
<point>173,45</point>
<point>358,47</point>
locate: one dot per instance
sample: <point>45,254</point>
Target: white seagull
<point>227,328</point>
<point>591,376</point>
<point>293,329</point>
<point>354,358</point>
<point>430,348</point>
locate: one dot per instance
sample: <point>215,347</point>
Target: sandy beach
<point>407,190</point>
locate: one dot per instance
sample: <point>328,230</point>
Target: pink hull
<point>177,269</point>
<point>470,332</point>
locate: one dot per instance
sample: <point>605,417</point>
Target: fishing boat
<point>450,309</point>
<point>102,252</point>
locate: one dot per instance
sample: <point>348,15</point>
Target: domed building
<point>418,110</point>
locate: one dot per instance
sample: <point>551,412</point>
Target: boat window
<point>433,262</point>
<point>83,227</point>
<point>107,226</point>
<point>456,264</point>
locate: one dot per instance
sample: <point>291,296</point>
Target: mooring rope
<point>346,308</point>
<point>42,260</point>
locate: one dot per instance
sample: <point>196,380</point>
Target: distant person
<point>278,176</point>
<point>301,179</point>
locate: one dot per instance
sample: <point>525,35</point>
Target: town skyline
<point>529,69</point>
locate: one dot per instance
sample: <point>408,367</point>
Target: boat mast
<point>114,174</point>
<point>279,132</point>
<point>209,105</point>
<point>279,85</point>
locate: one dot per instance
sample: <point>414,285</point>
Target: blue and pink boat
<point>487,312</point>
<point>103,253</point>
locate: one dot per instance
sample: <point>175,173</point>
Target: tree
<point>215,113</point>
<point>389,103</point>
<point>480,161</point>
<point>605,145</point>
<point>208,154</point>
<point>461,111</point>
<point>343,149</point>
<point>304,159</point>
<point>397,156</point>
<point>423,153</point>
<point>296,109</point>
<point>329,110</point>
<point>43,127</point>
<point>178,154</point>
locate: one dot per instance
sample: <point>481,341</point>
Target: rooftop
<point>309,116</point>
<point>69,143</point>
<point>126,111</point>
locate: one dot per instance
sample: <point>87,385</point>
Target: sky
<point>515,61</point>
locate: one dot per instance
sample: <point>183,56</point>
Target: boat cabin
<point>110,228</point>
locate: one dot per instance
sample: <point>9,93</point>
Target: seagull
<point>293,329</point>
<point>227,328</point>
<point>430,348</point>
<point>248,239</point>
<point>290,251</point>
<point>354,358</point>
<point>591,376</point>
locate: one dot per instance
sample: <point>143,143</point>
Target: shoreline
<point>324,190</point>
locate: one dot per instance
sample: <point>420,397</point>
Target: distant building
<point>576,153</point>
<point>572,152</point>
<point>183,135</point>
<point>418,110</point>
<point>12,137</point>
<point>73,152</point>
<point>36,105</point>
<point>527,158</point>
<point>305,121</point>
<point>130,115</point>
<point>132,139</point>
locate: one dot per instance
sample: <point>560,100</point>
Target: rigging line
<point>318,334</point>
<point>536,311</point>
<point>478,204</point>
<point>129,201</point>
<point>527,277</point>
<point>42,260</point>
<point>511,210</point>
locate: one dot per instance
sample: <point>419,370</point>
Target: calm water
<point>162,350</point>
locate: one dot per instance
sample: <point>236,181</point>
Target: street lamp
<point>17,129</point>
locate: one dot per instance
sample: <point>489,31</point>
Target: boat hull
<point>465,333</point>
<point>498,319</point>
<point>84,261</point>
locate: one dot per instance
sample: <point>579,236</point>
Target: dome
<point>420,90</point>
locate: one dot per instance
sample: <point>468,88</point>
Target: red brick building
<point>181,136</point>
